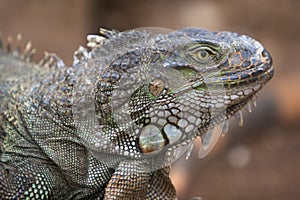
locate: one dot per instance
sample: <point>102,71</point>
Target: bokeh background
<point>258,161</point>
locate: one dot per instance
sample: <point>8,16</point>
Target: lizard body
<point>109,126</point>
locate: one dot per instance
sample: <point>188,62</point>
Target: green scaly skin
<point>109,126</point>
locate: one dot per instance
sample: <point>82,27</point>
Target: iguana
<point>110,125</point>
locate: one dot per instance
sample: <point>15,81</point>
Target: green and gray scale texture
<point>110,125</point>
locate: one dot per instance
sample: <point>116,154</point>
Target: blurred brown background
<point>257,161</point>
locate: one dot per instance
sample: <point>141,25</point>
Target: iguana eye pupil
<point>156,87</point>
<point>203,54</point>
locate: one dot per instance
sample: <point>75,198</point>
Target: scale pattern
<point>110,125</point>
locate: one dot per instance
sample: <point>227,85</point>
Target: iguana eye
<point>203,54</point>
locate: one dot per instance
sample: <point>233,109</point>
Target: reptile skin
<point>110,125</point>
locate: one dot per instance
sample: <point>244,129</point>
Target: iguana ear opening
<point>156,87</point>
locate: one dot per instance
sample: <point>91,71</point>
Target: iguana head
<point>155,93</point>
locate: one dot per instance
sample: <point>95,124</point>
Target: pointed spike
<point>254,103</point>
<point>47,59</point>
<point>79,55</point>
<point>19,37</point>
<point>17,45</point>
<point>209,140</point>
<point>225,127</point>
<point>75,60</point>
<point>206,140</point>
<point>84,52</point>
<point>60,63</point>
<point>107,33</point>
<point>178,152</point>
<point>44,59</point>
<point>57,60</point>
<point>197,198</point>
<point>189,151</point>
<point>94,40</point>
<point>239,117</point>
<point>91,44</point>
<point>9,44</point>
<point>27,49</point>
<point>1,42</point>
<point>30,55</point>
<point>248,107</point>
<point>17,48</point>
<point>51,60</point>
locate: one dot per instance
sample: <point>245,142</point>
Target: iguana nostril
<point>265,54</point>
